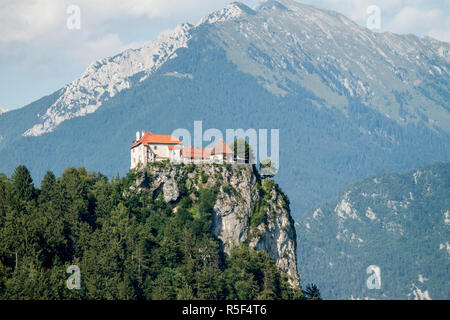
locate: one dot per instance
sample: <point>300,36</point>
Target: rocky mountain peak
<point>233,10</point>
<point>105,78</point>
<point>270,5</point>
<point>285,44</point>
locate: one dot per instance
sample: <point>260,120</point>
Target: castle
<point>149,147</point>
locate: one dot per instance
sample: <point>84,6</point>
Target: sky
<point>43,48</point>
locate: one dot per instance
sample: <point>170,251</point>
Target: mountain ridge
<point>398,222</point>
<point>98,76</point>
<point>241,73</point>
<point>119,69</point>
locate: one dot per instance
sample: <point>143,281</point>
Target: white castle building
<point>149,147</point>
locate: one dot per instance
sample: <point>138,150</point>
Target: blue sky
<point>39,54</point>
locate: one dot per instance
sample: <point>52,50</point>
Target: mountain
<point>2,110</point>
<point>164,232</point>
<point>398,222</point>
<point>349,102</point>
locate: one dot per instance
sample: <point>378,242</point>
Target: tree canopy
<point>127,244</point>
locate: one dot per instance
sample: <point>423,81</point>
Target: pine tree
<point>23,183</point>
<point>47,187</point>
<point>242,150</point>
<point>312,292</point>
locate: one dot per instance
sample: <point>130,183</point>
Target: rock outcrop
<point>248,209</point>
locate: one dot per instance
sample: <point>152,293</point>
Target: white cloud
<point>25,20</point>
<point>420,17</point>
<point>36,29</point>
<point>149,8</point>
<point>432,22</point>
<point>98,48</point>
<point>441,34</point>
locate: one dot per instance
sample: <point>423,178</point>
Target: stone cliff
<point>248,209</point>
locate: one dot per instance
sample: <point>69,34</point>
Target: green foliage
<point>261,208</point>
<point>268,186</point>
<point>23,183</point>
<point>190,167</point>
<point>226,188</point>
<point>127,244</point>
<point>312,292</point>
<point>242,150</point>
<point>252,275</point>
<point>204,177</point>
<point>267,168</point>
<point>257,214</point>
<point>182,187</point>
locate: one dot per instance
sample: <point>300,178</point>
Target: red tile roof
<point>221,148</point>
<point>156,138</point>
<point>205,153</point>
<point>187,152</point>
<point>196,153</point>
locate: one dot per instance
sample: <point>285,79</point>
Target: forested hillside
<point>398,222</point>
<point>128,244</point>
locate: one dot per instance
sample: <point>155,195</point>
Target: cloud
<point>35,29</point>
<point>98,48</point>
<point>149,8</point>
<point>420,17</point>
<point>432,22</point>
<point>39,52</point>
<point>25,20</point>
<point>441,34</point>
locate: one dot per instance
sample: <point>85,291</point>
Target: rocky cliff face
<point>247,209</point>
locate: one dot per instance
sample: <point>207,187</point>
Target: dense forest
<point>127,244</point>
